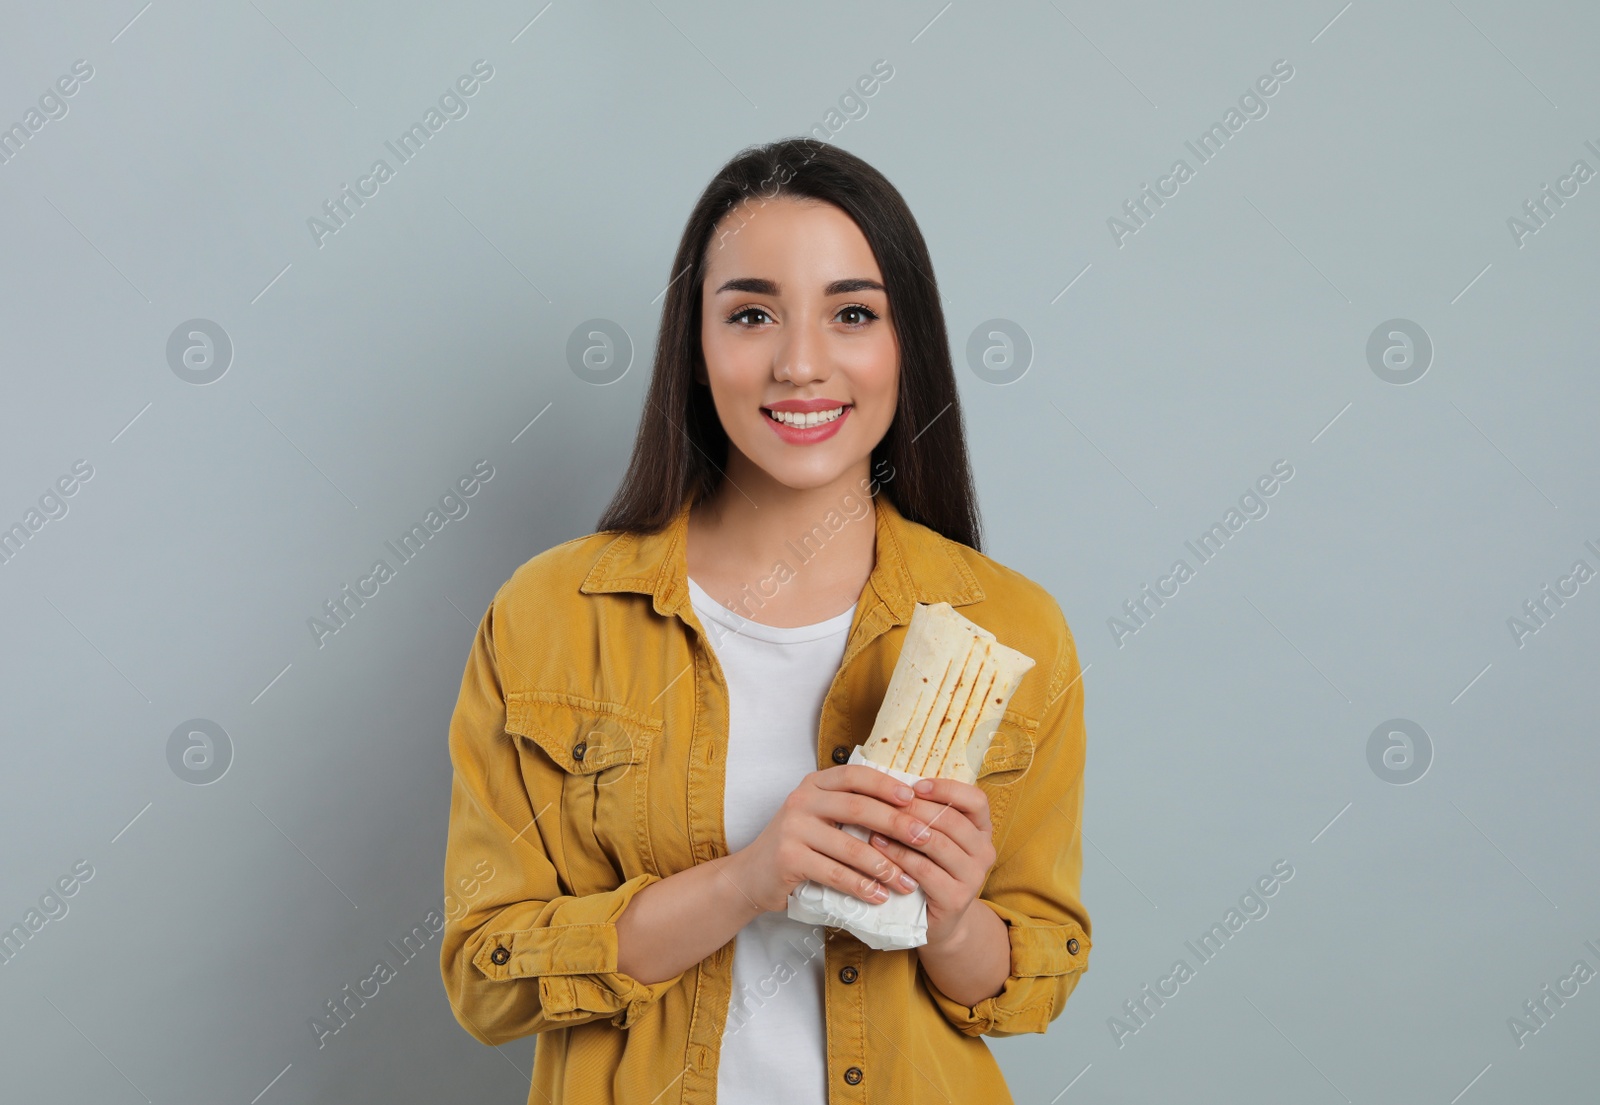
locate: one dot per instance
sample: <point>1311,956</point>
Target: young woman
<point>649,746</point>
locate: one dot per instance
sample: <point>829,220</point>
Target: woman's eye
<point>861,315</point>
<point>744,314</point>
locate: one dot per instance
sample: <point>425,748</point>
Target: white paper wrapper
<point>899,922</point>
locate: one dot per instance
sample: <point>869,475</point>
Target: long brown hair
<point>681,447</point>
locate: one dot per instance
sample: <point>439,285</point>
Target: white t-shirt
<point>774,1046</point>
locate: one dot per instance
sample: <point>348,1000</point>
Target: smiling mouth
<point>801,421</point>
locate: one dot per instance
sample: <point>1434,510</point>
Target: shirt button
<point>499,956</point>
<point>840,753</point>
<point>847,974</point>
<point>579,749</point>
<point>1072,945</point>
<point>852,1075</point>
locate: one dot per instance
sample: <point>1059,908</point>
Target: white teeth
<point>813,418</point>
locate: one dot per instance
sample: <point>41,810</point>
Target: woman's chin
<point>807,476</point>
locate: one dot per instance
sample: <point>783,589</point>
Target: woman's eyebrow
<point>759,285</point>
<point>755,285</point>
<point>855,284</point>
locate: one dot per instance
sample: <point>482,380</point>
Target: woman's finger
<point>863,780</point>
<point>938,883</point>
<point>952,822</point>
<point>969,798</point>
<point>848,808</point>
<point>829,863</point>
<point>943,849</point>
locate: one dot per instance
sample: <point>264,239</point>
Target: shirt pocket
<point>1004,771</point>
<point>599,789</point>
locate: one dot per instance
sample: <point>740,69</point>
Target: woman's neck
<point>779,555</point>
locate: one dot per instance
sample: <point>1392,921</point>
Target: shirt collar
<point>913,564</point>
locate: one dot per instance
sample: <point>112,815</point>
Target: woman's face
<point>794,314</point>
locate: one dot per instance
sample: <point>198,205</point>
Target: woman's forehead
<point>789,241</point>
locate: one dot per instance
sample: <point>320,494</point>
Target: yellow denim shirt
<point>588,746</point>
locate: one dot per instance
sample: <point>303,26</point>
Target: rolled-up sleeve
<point>1034,884</point>
<point>521,957</point>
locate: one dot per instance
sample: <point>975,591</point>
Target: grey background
<point>370,373</point>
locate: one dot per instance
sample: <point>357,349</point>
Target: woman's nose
<point>801,357</point>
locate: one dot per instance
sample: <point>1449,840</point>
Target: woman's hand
<point>952,864</point>
<point>803,840</point>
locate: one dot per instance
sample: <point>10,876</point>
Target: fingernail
<point>879,839</point>
<point>903,793</point>
<point>879,894</point>
<point>919,833</point>
<point>907,881</point>
<point>924,786</point>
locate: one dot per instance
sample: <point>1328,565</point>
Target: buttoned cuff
<point>1045,962</point>
<point>574,957</point>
